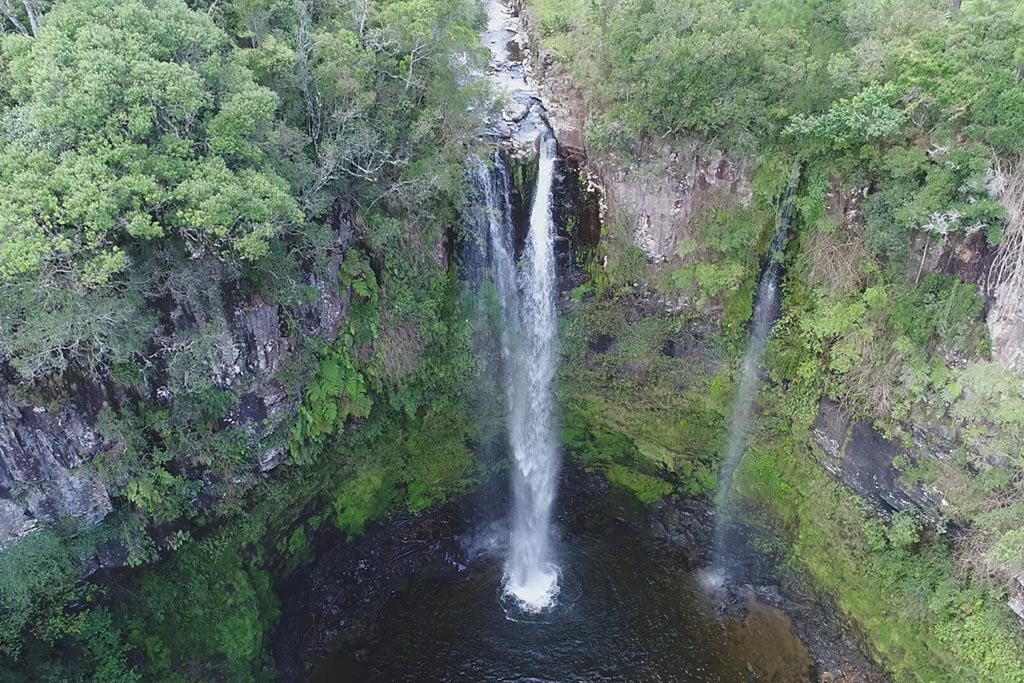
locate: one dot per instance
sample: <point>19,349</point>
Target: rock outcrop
<point>664,190</point>
<point>48,456</point>
<point>1006,290</point>
<point>1006,327</point>
<point>45,469</point>
<point>860,457</point>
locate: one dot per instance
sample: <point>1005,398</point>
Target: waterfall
<point>766,310</point>
<point>526,294</point>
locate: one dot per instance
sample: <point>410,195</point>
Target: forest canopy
<point>142,140</point>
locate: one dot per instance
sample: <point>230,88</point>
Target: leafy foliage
<point>163,167</point>
<point>103,148</point>
<point>36,575</point>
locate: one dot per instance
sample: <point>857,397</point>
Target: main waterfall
<point>526,295</point>
<point>525,288</point>
<point>530,575</point>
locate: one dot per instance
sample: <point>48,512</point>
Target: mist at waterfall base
<point>528,338</point>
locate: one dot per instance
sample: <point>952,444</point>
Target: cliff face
<point>888,429</point>
<point>863,459</point>
<point>46,472</point>
<point>663,188</point>
<point>1006,312</point>
<point>53,452</point>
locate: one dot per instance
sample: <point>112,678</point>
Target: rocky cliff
<point>53,447</point>
<point>662,188</point>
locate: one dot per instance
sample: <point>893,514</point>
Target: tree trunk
<point>8,11</point>
<point>956,8</point>
<point>33,16</point>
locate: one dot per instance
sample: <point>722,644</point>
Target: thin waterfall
<point>526,294</point>
<point>766,311</point>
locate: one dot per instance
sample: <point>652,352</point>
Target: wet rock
<point>111,554</point>
<point>603,343</point>
<point>1016,599</point>
<point>272,457</point>
<point>685,525</point>
<point>525,145</point>
<point>264,344</point>
<point>572,144</point>
<point>341,598</point>
<point>79,494</point>
<point>863,459</point>
<point>680,346</point>
<point>46,470</point>
<point>516,112</point>
<point>323,316</point>
<point>14,522</point>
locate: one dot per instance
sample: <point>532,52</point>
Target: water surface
<point>624,615</point>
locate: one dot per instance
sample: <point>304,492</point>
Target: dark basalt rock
<point>603,343</point>
<point>45,473</point>
<point>343,595</point>
<point>860,457</point>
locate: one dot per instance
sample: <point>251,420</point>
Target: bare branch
<point>7,10</point>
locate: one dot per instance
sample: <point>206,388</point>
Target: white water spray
<point>529,350</point>
<point>530,575</point>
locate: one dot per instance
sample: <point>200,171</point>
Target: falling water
<point>527,298</point>
<point>766,310</point>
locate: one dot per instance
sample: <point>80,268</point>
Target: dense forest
<point>164,165</point>
<point>226,229</point>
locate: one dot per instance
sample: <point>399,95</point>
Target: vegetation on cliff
<point>908,118</point>
<point>165,166</point>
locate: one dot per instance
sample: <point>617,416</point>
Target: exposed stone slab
<point>860,457</point>
<point>1006,327</point>
<point>45,470</point>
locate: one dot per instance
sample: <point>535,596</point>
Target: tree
<point>131,123</point>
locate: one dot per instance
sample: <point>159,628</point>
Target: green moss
<point>633,406</point>
<point>368,494</point>
<point>646,488</point>
<point>437,463</point>
<point>524,178</point>
<point>898,587</point>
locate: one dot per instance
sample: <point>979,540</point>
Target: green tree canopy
<point>131,122</point>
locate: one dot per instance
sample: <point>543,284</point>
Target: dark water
<point>624,616</point>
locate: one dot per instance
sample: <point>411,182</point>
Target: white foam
<point>537,592</point>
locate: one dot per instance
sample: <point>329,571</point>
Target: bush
<point>37,578</point>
